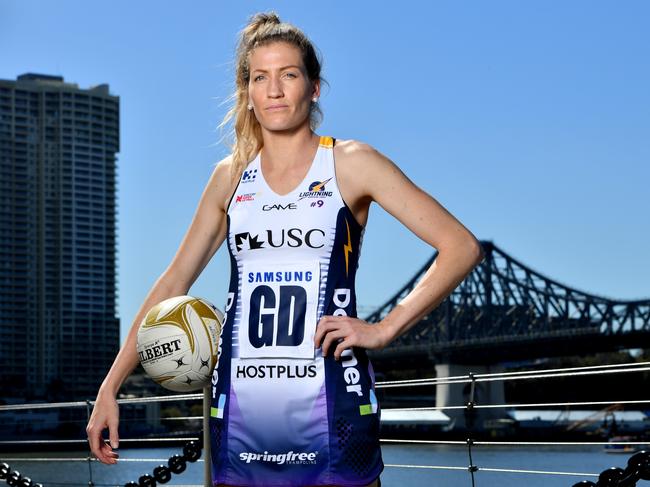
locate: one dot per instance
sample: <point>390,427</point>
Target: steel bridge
<point>503,310</point>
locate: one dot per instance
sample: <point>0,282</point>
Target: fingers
<point>343,344</point>
<point>330,337</point>
<point>113,434</point>
<point>325,328</point>
<point>93,441</point>
<point>108,455</point>
<point>110,448</point>
<point>348,332</point>
<point>325,325</point>
<point>320,332</point>
<point>100,449</point>
<point>335,329</point>
<point>104,416</point>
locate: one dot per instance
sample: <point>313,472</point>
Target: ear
<point>316,89</point>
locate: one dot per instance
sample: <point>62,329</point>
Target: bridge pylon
<point>460,394</point>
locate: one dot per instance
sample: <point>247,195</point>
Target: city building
<point>59,329</point>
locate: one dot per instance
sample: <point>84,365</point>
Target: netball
<point>177,342</point>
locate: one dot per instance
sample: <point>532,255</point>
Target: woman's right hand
<point>105,414</point>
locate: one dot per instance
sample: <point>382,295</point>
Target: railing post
<point>207,454</point>
<point>470,414</point>
<point>90,453</point>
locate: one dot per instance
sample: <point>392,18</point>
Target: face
<point>279,89</point>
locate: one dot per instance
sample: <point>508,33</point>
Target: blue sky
<point>529,121</point>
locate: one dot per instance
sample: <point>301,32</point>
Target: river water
<point>580,459</point>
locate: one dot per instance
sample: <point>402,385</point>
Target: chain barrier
<point>161,474</point>
<point>638,468</point>
<point>15,478</point>
<point>175,465</point>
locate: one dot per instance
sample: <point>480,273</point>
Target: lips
<point>276,107</point>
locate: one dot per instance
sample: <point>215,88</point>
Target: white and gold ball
<point>178,342</point>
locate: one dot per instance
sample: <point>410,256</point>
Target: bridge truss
<point>503,310</point>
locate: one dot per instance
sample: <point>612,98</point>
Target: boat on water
<point>625,444</point>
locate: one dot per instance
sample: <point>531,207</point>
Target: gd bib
<point>280,305</point>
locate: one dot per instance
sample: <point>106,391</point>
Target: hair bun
<point>257,24</point>
<point>262,18</point>
<point>266,17</point>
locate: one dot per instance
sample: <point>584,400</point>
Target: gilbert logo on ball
<point>178,340</point>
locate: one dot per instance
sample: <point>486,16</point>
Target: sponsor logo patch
<point>280,276</point>
<point>242,198</point>
<point>290,237</point>
<point>275,371</point>
<point>246,241</point>
<point>290,457</point>
<point>316,190</point>
<point>249,176</point>
<point>280,207</point>
<point>349,362</point>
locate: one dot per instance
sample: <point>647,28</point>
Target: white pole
<point>207,456</point>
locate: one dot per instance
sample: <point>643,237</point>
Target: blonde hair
<point>263,29</point>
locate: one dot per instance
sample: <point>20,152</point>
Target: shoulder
<point>224,166</point>
<point>361,162</point>
<point>349,150</point>
<point>357,155</point>
<point>223,181</point>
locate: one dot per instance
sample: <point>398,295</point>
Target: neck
<point>287,149</point>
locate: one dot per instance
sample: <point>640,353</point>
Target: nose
<point>274,87</point>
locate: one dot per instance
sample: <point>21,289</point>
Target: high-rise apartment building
<point>59,329</point>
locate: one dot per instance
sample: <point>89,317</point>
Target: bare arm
<point>374,177</point>
<point>458,250</point>
<point>204,236</point>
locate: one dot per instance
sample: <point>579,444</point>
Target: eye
<point>256,78</point>
<point>292,75</point>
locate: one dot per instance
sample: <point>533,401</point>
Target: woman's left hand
<point>348,332</point>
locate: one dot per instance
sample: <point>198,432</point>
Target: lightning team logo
<point>318,185</point>
<point>316,190</point>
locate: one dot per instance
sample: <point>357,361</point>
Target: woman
<point>292,396</point>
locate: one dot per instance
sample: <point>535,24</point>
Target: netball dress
<point>282,414</point>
